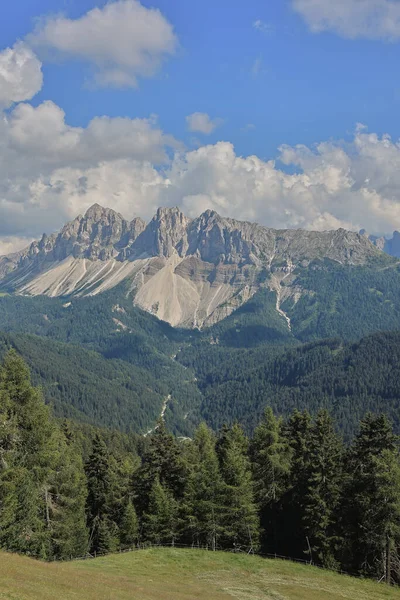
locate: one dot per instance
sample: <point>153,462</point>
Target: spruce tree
<point>270,457</point>
<point>240,521</point>
<point>30,453</point>
<point>203,510</point>
<point>163,458</point>
<point>298,434</point>
<point>323,490</point>
<point>371,508</point>
<point>103,531</point>
<point>160,521</point>
<point>129,527</point>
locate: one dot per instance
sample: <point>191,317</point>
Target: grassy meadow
<point>175,574</point>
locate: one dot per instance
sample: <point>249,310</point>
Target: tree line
<point>293,489</point>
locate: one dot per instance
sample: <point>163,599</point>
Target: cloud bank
<point>50,172</point>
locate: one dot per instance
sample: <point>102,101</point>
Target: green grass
<point>172,574</point>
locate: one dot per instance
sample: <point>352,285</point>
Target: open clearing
<point>172,574</point>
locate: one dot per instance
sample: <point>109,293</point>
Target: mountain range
<point>203,319</point>
<point>189,272</point>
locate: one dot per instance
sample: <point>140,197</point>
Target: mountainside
<point>191,273</point>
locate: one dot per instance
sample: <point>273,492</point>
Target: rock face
<point>189,272</point>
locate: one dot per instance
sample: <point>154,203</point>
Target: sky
<point>284,112</point>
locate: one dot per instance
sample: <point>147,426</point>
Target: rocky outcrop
<point>189,272</point>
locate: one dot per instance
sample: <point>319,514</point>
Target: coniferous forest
<point>292,489</point>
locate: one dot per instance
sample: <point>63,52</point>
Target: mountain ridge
<point>189,272</point>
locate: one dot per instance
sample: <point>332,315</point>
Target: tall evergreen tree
<point>103,530</point>
<point>204,495</point>
<point>241,522</point>
<point>163,458</point>
<point>31,451</point>
<point>160,522</point>
<point>323,490</point>
<point>270,457</point>
<point>129,526</point>
<point>298,434</point>
<point>372,499</point>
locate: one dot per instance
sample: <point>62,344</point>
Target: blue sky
<point>282,72</point>
<point>309,87</point>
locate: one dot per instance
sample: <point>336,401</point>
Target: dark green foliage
<point>348,379</point>
<point>293,487</point>
<point>371,505</point>
<point>162,460</point>
<point>323,480</point>
<point>271,465</point>
<point>240,522</point>
<point>346,302</point>
<point>160,523</point>
<point>205,492</point>
<point>42,487</point>
<point>102,527</point>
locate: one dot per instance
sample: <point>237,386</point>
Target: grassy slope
<point>179,575</point>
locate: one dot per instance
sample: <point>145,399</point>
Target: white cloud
<point>20,75</point>
<point>202,123</point>
<point>43,131</point>
<point>123,40</point>
<point>263,27</point>
<point>50,172</point>
<point>371,19</point>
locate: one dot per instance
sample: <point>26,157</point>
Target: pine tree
<point>129,527</point>
<point>371,509</point>
<point>103,531</point>
<point>323,490</point>
<point>68,502</point>
<point>163,458</point>
<point>160,522</point>
<point>240,522</point>
<point>30,454</point>
<point>270,457</point>
<point>204,496</point>
<point>298,434</point>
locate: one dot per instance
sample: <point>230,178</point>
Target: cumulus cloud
<point>20,75</point>
<point>202,123</point>
<point>123,40</point>
<point>371,19</point>
<point>50,172</point>
<point>44,131</point>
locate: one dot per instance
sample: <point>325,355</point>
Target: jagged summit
<point>189,272</point>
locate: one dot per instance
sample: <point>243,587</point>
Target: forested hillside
<point>347,379</point>
<point>292,488</point>
<point>102,361</point>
